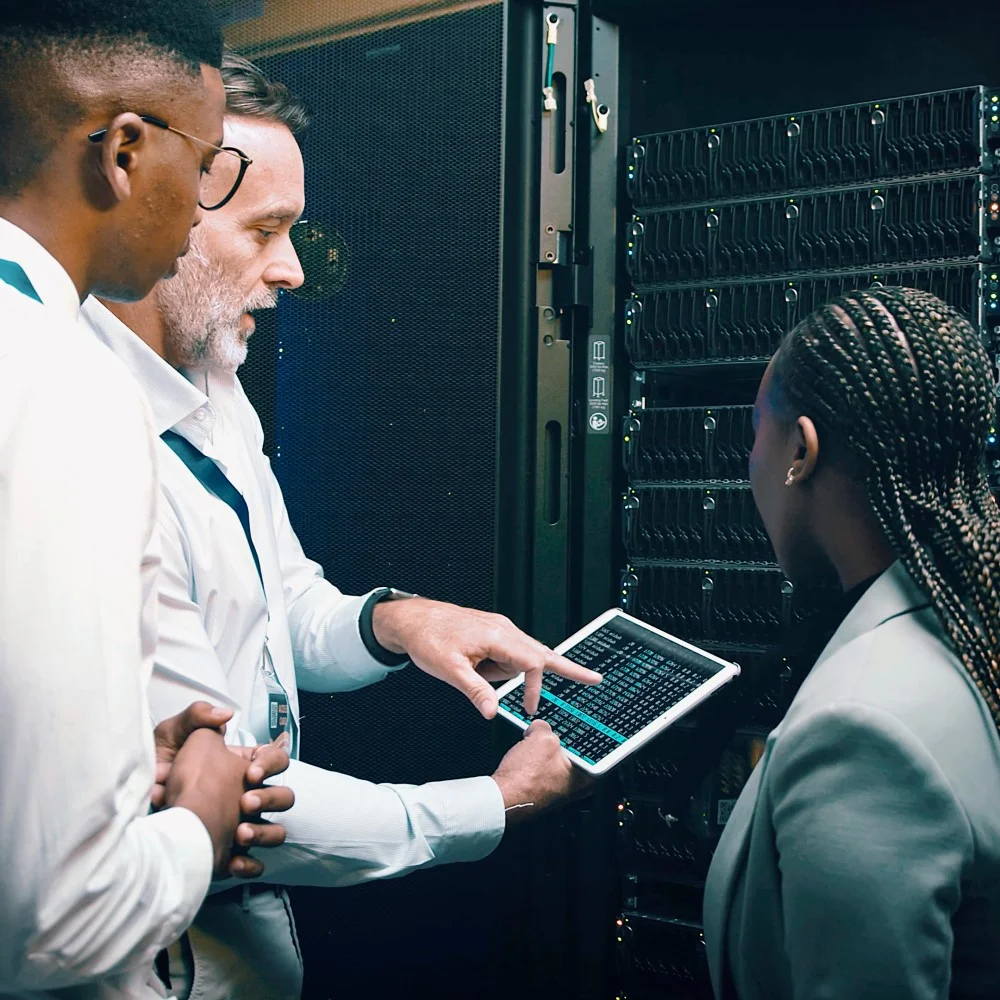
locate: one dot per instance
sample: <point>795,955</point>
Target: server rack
<point>739,231</point>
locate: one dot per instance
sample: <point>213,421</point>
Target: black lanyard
<point>217,483</point>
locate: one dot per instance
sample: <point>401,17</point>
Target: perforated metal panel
<point>380,407</point>
<point>384,406</point>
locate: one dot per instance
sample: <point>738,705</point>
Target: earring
<point>790,478</point>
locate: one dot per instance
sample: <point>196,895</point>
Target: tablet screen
<point>645,675</point>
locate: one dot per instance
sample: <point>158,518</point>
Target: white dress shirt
<point>91,886</point>
<point>213,621</point>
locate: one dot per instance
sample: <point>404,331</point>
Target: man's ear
<point>806,450</point>
<point>122,147</point>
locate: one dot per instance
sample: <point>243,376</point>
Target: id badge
<point>277,720</point>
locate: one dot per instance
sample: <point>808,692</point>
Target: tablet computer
<point>651,679</point>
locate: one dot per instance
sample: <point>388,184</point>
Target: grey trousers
<point>239,949</point>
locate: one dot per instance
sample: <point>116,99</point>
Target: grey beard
<point>202,311</point>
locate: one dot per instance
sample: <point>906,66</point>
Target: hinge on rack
<point>573,288</point>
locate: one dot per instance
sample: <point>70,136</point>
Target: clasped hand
<point>194,768</point>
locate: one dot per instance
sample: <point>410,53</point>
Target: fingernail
<point>253,803</point>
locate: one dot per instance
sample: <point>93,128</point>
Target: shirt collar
<point>175,402</point>
<point>54,286</point>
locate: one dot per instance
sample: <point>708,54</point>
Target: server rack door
<point>734,227</point>
<point>383,388</point>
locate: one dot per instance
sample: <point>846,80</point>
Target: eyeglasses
<point>245,160</point>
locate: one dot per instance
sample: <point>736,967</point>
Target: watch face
<point>396,595</point>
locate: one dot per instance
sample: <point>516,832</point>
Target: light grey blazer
<point>862,860</point>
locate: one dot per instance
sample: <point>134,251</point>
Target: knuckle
<point>495,633</point>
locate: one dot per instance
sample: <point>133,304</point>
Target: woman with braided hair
<point>862,860</point>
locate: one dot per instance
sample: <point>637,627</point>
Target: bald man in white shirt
<point>246,618</point>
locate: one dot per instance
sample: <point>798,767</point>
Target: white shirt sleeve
<point>323,622</point>
<point>341,830</point>
<point>91,885</point>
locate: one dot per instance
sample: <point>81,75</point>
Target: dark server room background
<point>426,399</point>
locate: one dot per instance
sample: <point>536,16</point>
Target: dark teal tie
<point>216,482</point>
<point>13,274</point>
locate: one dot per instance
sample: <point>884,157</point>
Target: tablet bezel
<point>727,672</point>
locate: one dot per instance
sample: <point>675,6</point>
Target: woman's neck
<point>852,538</point>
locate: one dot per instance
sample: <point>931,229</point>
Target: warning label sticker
<point>598,384</point>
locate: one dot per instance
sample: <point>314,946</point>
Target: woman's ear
<point>806,451</point>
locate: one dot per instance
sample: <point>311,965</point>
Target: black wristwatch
<point>377,651</point>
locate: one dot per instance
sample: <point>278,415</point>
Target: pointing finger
<point>523,655</point>
<point>573,671</point>
<point>532,691</point>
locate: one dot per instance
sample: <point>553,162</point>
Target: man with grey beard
<point>245,619</point>
<point>207,315</point>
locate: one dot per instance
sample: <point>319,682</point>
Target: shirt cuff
<point>476,819</point>
<point>190,849</point>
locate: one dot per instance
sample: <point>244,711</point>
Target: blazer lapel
<point>893,593</point>
<point>728,863</point>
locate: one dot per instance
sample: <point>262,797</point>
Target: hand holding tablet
<point>651,679</point>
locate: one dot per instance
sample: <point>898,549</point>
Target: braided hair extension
<point>904,383</point>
